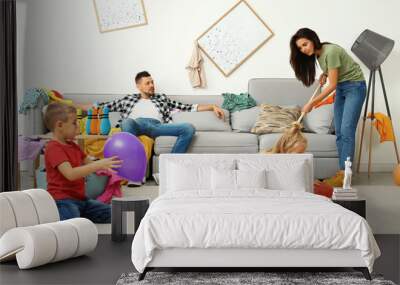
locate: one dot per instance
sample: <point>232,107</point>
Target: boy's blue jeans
<point>350,96</point>
<point>153,128</point>
<point>93,210</point>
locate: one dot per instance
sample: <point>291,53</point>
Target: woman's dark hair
<point>302,64</point>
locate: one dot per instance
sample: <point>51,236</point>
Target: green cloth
<point>334,56</point>
<point>237,102</point>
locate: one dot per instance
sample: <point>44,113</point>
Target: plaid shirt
<point>161,101</point>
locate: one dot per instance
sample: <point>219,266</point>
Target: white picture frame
<point>113,15</point>
<point>227,42</point>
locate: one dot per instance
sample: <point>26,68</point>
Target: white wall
<point>63,49</point>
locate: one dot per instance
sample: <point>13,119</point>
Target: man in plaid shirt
<point>149,113</point>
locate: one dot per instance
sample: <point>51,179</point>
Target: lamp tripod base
<point>372,117</point>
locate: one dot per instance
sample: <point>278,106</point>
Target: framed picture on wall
<point>115,15</point>
<point>234,37</point>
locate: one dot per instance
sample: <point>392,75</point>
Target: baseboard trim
<point>376,167</point>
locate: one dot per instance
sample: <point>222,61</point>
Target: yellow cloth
<point>383,125</point>
<point>148,146</point>
<point>95,147</point>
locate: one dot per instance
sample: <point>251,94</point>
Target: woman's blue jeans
<point>153,128</point>
<point>350,96</point>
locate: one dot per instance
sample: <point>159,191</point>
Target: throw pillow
<point>319,120</point>
<point>275,119</point>
<point>282,171</point>
<point>190,176</point>
<point>251,179</point>
<point>228,179</point>
<point>243,121</point>
<point>294,180</point>
<point>223,179</point>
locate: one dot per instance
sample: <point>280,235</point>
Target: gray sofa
<point>235,136</point>
<point>263,90</point>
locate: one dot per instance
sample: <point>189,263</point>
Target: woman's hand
<point>218,112</point>
<point>322,79</point>
<point>307,108</point>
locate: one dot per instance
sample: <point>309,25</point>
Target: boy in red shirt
<point>67,165</point>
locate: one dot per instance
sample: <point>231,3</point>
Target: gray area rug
<point>243,278</point>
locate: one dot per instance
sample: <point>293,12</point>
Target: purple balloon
<point>131,150</point>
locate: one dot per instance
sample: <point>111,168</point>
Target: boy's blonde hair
<point>290,138</point>
<point>57,112</point>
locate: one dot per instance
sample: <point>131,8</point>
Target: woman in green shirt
<point>344,76</point>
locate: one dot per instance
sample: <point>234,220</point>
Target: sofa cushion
<point>203,121</point>
<point>243,121</point>
<point>318,145</point>
<point>212,142</point>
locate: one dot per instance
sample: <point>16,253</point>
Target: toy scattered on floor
<point>88,121</point>
<point>94,123</point>
<point>80,120</point>
<point>130,150</point>
<point>56,96</point>
<point>98,121</point>
<point>321,188</point>
<point>105,125</point>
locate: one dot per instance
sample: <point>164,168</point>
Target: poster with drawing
<point>119,14</point>
<point>232,39</point>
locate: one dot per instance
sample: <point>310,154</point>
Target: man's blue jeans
<point>350,96</point>
<point>93,210</point>
<point>153,128</point>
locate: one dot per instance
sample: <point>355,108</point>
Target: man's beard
<point>150,93</point>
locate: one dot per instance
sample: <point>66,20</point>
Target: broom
<point>291,133</point>
<point>312,97</point>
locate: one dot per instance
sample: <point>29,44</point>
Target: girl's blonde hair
<point>291,138</point>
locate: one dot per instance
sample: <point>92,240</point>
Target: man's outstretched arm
<point>211,107</point>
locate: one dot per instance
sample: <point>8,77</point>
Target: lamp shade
<point>372,48</point>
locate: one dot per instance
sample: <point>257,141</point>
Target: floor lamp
<point>373,49</point>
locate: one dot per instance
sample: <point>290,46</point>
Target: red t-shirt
<point>57,185</point>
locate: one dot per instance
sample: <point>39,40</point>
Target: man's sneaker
<point>337,180</point>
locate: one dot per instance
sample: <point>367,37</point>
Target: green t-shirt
<point>334,56</point>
